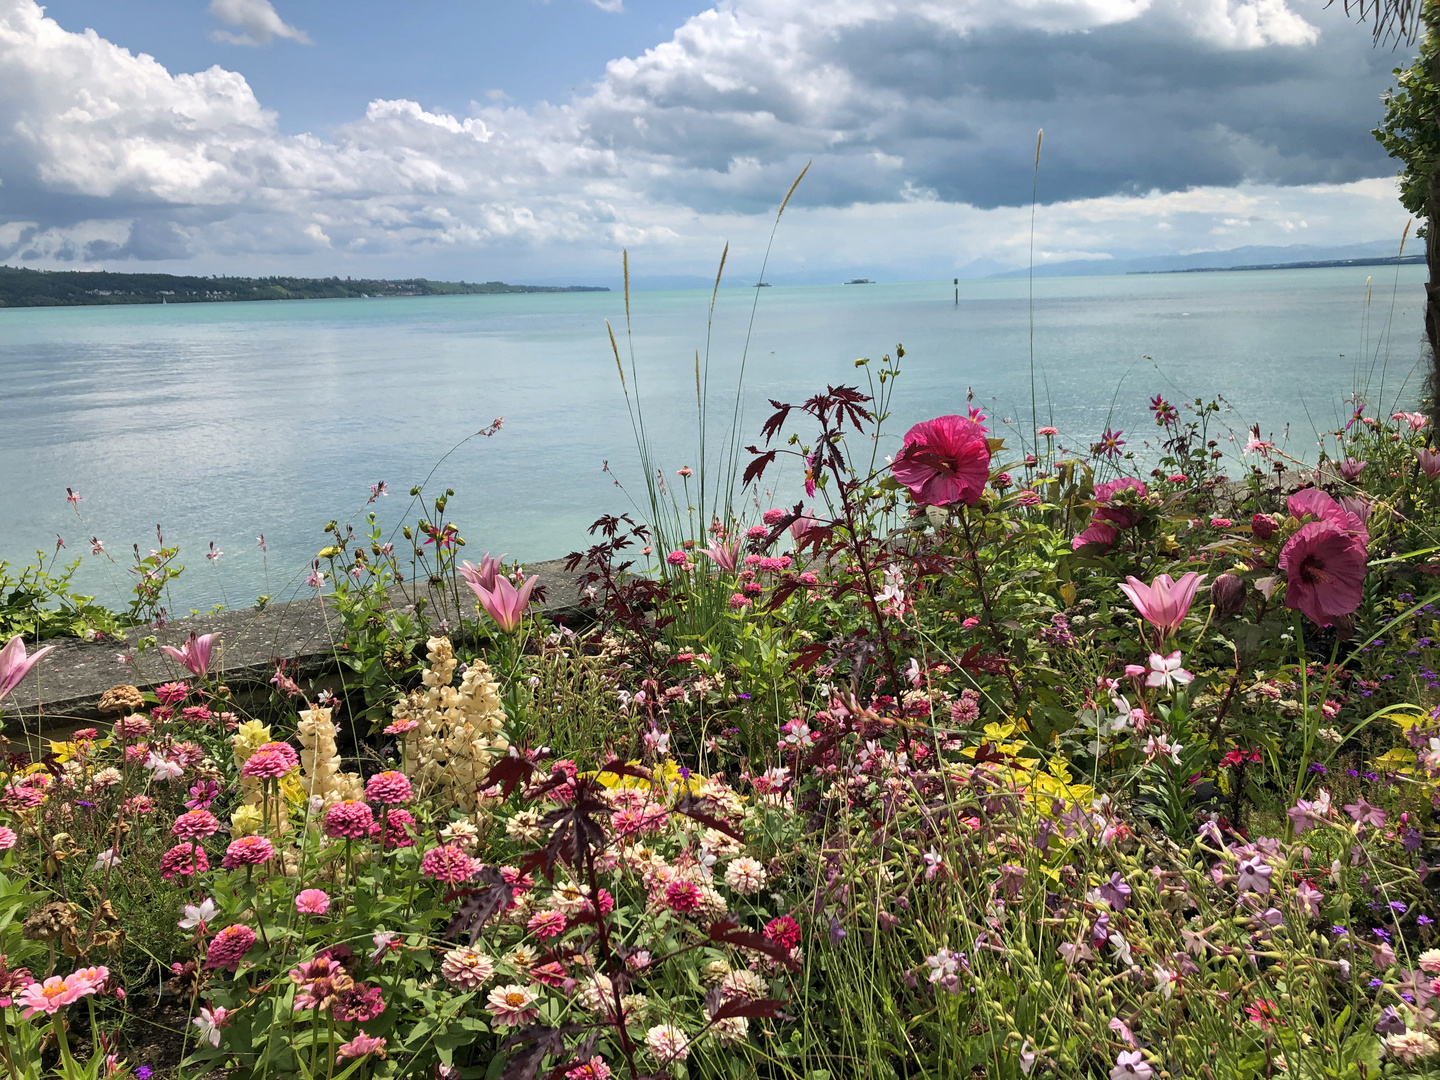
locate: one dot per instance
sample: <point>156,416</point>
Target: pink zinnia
<point>546,924</point>
<point>739,600</point>
<point>183,860</point>
<point>349,820</point>
<point>312,902</point>
<point>248,851</point>
<point>396,833</point>
<point>784,931</point>
<point>1325,572</point>
<point>943,461</point>
<point>172,693</point>
<point>1164,602</point>
<point>131,727</point>
<point>682,896</point>
<point>358,1005</point>
<point>512,1005</point>
<point>361,1045</point>
<point>8,839</point>
<point>400,727</point>
<point>195,824</point>
<point>388,788</point>
<point>448,864</point>
<point>229,947</point>
<point>271,761</point>
<point>48,997</point>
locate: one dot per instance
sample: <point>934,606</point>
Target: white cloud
<point>613,7</point>
<point>918,116</point>
<point>257,20</point>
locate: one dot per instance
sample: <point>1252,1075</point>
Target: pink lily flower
<point>482,575</point>
<point>1163,603</point>
<point>15,665</point>
<point>802,525</point>
<point>505,603</point>
<point>194,655</point>
<point>1429,462</point>
<point>726,556</point>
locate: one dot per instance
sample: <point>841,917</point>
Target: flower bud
<point>1263,525</point>
<point>1227,593</point>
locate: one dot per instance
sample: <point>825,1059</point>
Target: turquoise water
<point>224,421</point>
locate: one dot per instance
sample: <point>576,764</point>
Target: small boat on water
<point>860,281</point>
<point>762,285</point>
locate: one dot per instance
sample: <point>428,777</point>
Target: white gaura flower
<point>197,915</point>
<point>1167,671</point>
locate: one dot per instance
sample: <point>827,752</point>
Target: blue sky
<point>535,141</point>
<point>445,54</point>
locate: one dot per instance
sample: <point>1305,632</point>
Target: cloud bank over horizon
<point>1170,126</point>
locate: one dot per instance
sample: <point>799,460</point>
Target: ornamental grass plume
<point>504,603</point>
<point>458,732</point>
<point>944,461</point>
<point>15,665</point>
<point>1164,602</point>
<point>194,654</point>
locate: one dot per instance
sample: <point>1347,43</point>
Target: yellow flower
<point>249,737</point>
<point>292,788</point>
<point>996,732</point>
<point>246,820</point>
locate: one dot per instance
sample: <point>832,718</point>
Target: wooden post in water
<point>957,292</point>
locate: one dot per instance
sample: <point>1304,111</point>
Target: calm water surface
<point>224,421</point>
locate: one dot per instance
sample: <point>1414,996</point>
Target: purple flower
<point>1362,812</point>
<point>1115,892</point>
<point>1316,767</point>
<point>144,1072</point>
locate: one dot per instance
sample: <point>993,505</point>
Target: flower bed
<point>984,763</point>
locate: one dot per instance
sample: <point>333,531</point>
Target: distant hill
<point>1248,258</point>
<point>20,287</point>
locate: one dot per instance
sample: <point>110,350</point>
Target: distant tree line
<point>21,287</point>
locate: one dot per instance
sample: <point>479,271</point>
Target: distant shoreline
<point>1319,264</point>
<point>20,287</point>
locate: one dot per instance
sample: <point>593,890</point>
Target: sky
<point>534,140</point>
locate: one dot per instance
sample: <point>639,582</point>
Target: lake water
<point>224,421</point>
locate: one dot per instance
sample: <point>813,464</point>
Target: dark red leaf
<point>728,932</point>
<point>764,1009</point>
<point>694,809</point>
<point>757,467</point>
